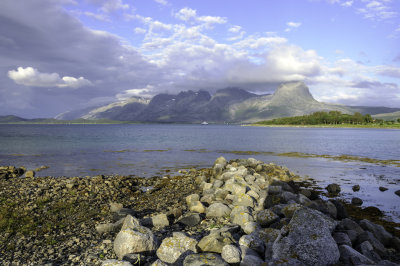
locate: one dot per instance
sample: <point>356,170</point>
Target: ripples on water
<point>147,150</point>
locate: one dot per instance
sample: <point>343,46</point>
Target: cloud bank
<point>50,62</point>
<point>32,77</point>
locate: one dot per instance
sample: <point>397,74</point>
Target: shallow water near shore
<point>148,150</point>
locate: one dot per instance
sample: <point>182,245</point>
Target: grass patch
<point>42,217</point>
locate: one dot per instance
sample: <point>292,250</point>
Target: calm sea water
<point>147,150</point>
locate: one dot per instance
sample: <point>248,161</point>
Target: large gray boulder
<point>290,209</point>
<point>368,251</point>
<point>137,240</point>
<point>268,236</point>
<point>250,257</point>
<point>379,232</point>
<point>215,241</point>
<point>172,248</point>
<point>241,215</point>
<point>251,260</point>
<point>342,239</point>
<point>244,200</point>
<point>253,242</point>
<point>266,217</point>
<point>218,210</point>
<point>376,244</point>
<point>348,224</point>
<point>350,256</point>
<point>308,238</point>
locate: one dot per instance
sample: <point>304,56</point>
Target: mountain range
<point>229,105</point>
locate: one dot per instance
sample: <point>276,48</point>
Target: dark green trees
<point>324,118</point>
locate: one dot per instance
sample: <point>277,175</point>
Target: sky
<point>62,55</point>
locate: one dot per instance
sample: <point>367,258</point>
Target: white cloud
<point>292,25</point>
<point>256,42</point>
<point>101,17</point>
<point>389,71</point>
<point>32,77</point>
<point>212,20</point>
<point>347,3</point>
<point>235,29</point>
<point>185,14</point>
<point>113,5</point>
<point>237,37</point>
<point>171,57</point>
<point>377,10</point>
<point>160,26</point>
<point>140,30</point>
<point>142,92</point>
<point>162,2</point>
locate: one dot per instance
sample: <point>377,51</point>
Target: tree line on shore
<point>327,118</point>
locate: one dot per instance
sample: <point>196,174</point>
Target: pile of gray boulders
<point>251,213</point>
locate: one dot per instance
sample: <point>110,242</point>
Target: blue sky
<point>60,55</point>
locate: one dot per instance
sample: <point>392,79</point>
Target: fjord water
<point>148,150</point>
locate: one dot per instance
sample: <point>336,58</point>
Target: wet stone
<point>333,189</point>
<point>356,201</point>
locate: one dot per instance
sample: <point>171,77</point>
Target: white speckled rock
<point>250,227</point>
<point>130,222</point>
<point>308,238</point>
<point>218,210</point>
<point>160,220</point>
<point>231,254</point>
<point>173,247</point>
<point>198,207</point>
<point>191,198</point>
<point>134,241</point>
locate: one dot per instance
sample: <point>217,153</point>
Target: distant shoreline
<point>395,126</point>
<point>372,126</point>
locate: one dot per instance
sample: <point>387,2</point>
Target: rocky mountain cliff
<point>229,105</point>
<point>290,99</point>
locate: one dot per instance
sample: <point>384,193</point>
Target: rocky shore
<point>241,212</point>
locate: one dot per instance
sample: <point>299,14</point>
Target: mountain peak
<point>292,92</point>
